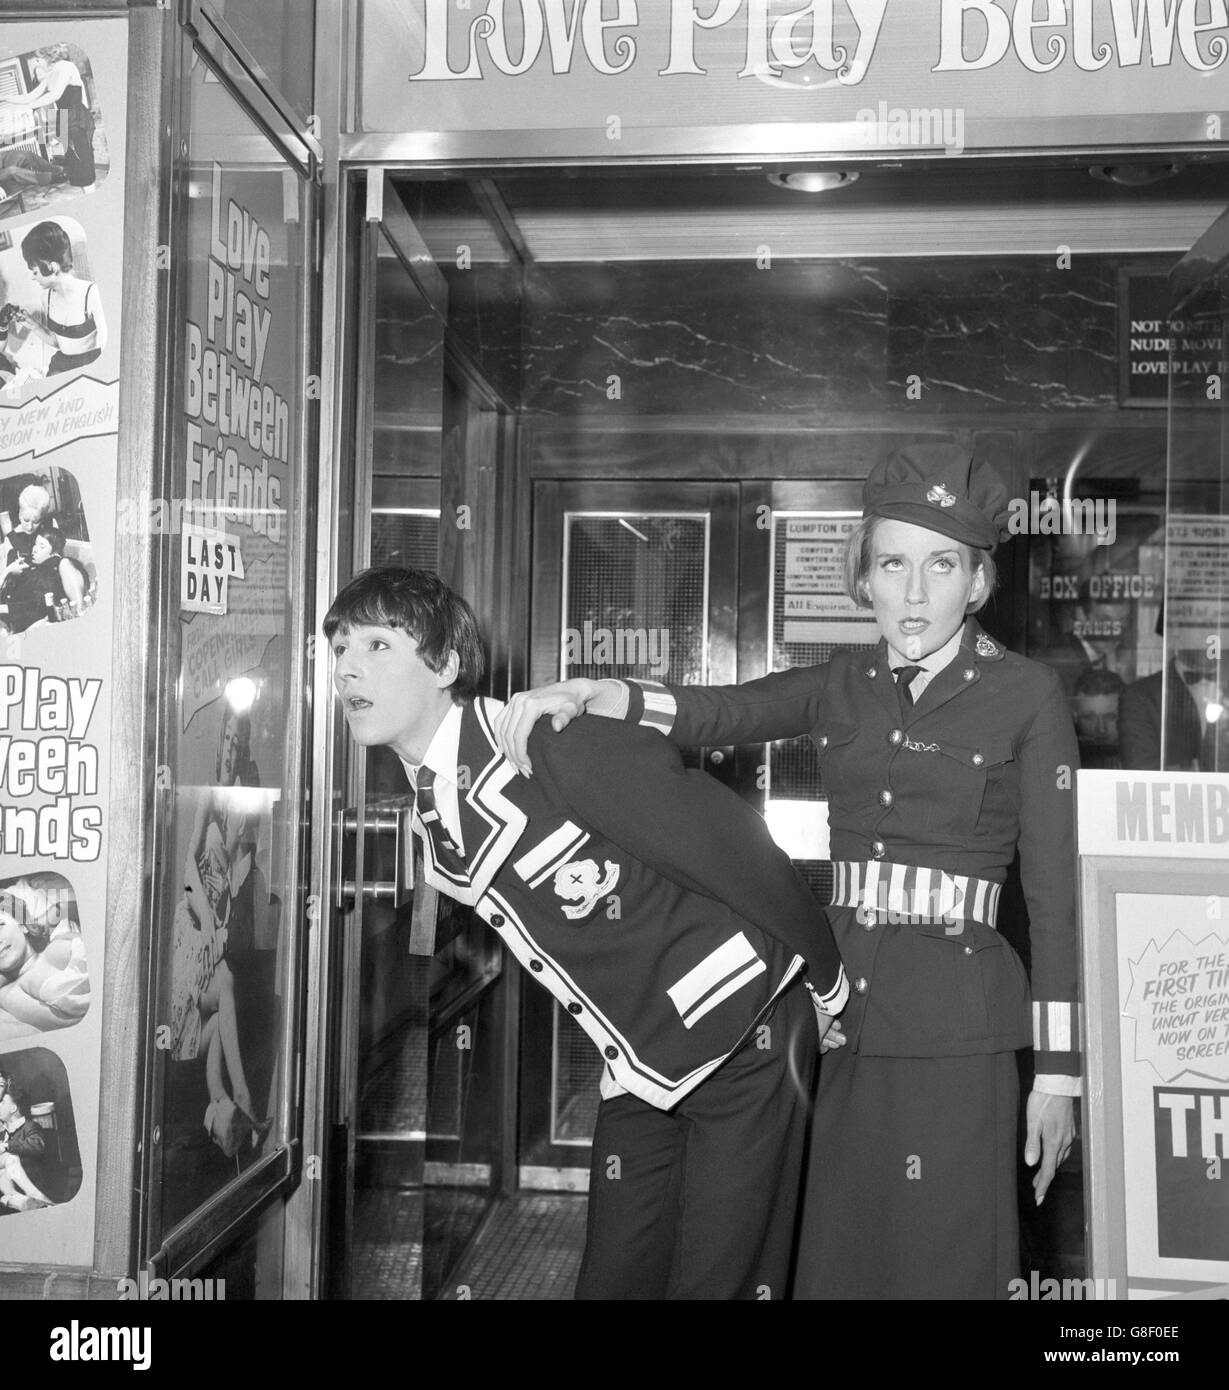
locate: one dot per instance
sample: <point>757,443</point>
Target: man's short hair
<point>420,604</point>
<point>1095,681</point>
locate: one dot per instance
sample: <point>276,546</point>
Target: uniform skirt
<point>911,1180</point>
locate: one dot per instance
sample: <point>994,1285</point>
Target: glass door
<point>417,1047</point>
<point>228,900</point>
<point>690,583</point>
<point>632,579</point>
<point>1193,730</point>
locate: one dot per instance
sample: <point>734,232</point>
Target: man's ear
<point>447,674</point>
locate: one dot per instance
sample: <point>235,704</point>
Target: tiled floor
<point>387,1245</point>
<point>529,1250</point>
<point>530,1246</point>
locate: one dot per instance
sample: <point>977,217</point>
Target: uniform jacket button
<point>870,920</point>
<point>872,671</point>
<point>574,1008</point>
<point>860,984</point>
<point>535,965</point>
<point>978,760</point>
<point>969,673</point>
<point>822,741</point>
<point>968,950</point>
<point>497,919</point>
<point>885,797</point>
<point>896,736</point>
<point>611,1052</point>
<point>878,849</point>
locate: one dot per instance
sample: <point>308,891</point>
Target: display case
<point>1184,707</point>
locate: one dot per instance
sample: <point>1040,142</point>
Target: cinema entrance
<point>636,439</point>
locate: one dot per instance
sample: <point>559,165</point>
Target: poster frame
<point>1102,879</point>
<point>183,1248</point>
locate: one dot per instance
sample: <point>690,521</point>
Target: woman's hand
<point>1050,1132</point>
<point>831,1035</point>
<point>563,701</point>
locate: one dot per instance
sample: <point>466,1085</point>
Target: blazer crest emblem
<point>580,883</point>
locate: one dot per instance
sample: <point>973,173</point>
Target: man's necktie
<point>444,850</point>
<point>904,679</point>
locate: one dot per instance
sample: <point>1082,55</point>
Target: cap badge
<point>984,646</point>
<point>940,496</point>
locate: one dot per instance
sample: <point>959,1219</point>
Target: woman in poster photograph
<point>44,980</point>
<point>60,84</point>
<point>51,315</point>
<point>45,573</point>
<point>22,1146</point>
<point>213,926</point>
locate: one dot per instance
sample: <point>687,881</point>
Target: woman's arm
<point>784,704</point>
<point>1049,758</point>
<point>42,95</point>
<point>18,1004</point>
<point>563,701</point>
<point>194,886</point>
<point>100,322</point>
<point>71,581</point>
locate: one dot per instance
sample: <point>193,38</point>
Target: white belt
<point>907,891</point>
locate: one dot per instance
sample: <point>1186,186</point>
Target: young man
<point>653,905</point>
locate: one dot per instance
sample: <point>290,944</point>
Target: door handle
<point>383,826</point>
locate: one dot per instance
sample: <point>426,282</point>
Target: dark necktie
<point>904,679</point>
<point>444,850</point>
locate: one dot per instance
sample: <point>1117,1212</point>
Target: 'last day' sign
<point>209,560</point>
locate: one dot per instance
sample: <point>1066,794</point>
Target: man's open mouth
<point>356,703</point>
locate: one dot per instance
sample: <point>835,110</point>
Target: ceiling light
<point>812,180</point>
<point>1134,175</point>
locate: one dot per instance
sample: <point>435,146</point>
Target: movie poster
<point>1174,983</point>
<point>1155,990</point>
<point>63,95</point>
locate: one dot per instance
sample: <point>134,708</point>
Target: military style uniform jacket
<point>646,897</point>
<point>983,763</point>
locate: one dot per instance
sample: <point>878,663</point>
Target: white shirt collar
<point>441,754</point>
<point>936,661</point>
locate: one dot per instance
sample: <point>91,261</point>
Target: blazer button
<point>978,760</point>
<point>968,950</point>
<point>611,1052</point>
<point>535,965</point>
<point>885,798</point>
<point>497,919</point>
<point>896,736</point>
<point>870,920</point>
<point>860,985</point>
<point>822,741</point>
<point>872,671</point>
<point>969,673</point>
<point>575,1008</point>
<point>878,849</point>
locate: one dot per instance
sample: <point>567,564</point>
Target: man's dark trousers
<point>699,1202</point>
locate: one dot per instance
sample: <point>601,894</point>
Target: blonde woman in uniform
<point>943,754</point>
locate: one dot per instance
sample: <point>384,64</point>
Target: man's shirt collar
<point>441,754</point>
